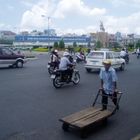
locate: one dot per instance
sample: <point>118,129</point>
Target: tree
<point>74,44</point>
<point>99,44</point>
<point>130,45</point>
<point>89,44</point>
<point>138,44</point>
<point>116,45</point>
<point>56,46</point>
<point>4,41</point>
<point>61,44</point>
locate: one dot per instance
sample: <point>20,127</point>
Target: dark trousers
<point>105,99</point>
<point>67,73</point>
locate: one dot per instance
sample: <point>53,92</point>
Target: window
<point>109,55</point>
<point>6,51</point>
<point>116,55</point>
<point>96,55</point>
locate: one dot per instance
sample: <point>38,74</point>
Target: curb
<point>35,58</point>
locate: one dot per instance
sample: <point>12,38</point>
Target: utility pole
<point>48,32</point>
<point>48,28</point>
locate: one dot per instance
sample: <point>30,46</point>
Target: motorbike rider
<point>65,66</point>
<point>123,53</point>
<point>138,52</point>
<point>80,56</point>
<point>55,59</point>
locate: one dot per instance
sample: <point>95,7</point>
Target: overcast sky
<point>71,16</point>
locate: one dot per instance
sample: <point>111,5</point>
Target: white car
<point>94,60</point>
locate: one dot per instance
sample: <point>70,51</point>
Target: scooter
<point>80,58</point>
<point>138,55</point>
<point>126,58</point>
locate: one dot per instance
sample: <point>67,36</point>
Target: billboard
<point>40,38</point>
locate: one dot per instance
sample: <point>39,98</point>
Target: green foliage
<point>116,49</point>
<point>130,49</point>
<point>99,44</point>
<point>78,49</point>
<point>3,41</point>
<point>130,45</point>
<point>35,47</point>
<point>138,44</point>
<point>40,49</point>
<point>74,44</point>
<point>61,44</point>
<point>116,45</point>
<point>56,45</point>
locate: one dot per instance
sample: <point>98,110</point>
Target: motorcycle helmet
<point>66,54</point>
<point>56,51</point>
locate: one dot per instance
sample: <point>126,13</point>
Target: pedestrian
<point>108,84</point>
<point>138,52</point>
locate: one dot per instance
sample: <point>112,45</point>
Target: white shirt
<point>122,53</point>
<point>138,50</point>
<point>64,63</point>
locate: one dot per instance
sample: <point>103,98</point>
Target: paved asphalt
<point>30,106</point>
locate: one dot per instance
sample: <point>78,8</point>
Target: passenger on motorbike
<point>66,66</point>
<point>55,59</point>
<point>70,56</point>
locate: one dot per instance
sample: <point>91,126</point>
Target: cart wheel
<point>65,127</point>
<point>83,133</point>
<point>105,121</point>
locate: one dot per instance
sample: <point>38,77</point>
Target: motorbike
<point>60,79</point>
<point>138,55</point>
<point>126,58</point>
<point>80,58</point>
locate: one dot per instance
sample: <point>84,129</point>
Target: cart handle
<point>100,93</point>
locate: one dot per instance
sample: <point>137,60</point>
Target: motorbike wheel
<point>122,67</point>
<point>76,78</point>
<point>88,70</point>
<point>56,82</point>
<point>77,60</point>
<point>127,61</point>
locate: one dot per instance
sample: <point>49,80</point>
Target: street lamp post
<point>48,20</point>
<point>48,32</point>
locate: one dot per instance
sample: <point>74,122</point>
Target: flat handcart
<point>83,119</point>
